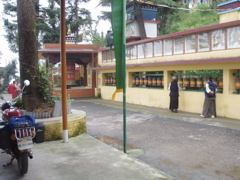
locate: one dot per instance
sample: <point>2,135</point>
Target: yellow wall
<point>227,102</point>
<point>230,16</point>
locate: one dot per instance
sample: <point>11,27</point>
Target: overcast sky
<point>8,55</point>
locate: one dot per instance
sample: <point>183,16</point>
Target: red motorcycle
<point>16,133</point>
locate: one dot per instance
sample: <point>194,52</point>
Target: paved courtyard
<point>182,145</point>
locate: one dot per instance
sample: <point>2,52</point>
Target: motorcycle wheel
<point>23,163</point>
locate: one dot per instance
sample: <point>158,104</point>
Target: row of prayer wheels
<point>158,82</point>
<point>110,80</point>
<point>148,81</point>
<point>198,82</point>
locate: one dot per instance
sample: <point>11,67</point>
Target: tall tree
<point>28,52</point>
<point>77,16</point>
<point>139,18</point>
<point>48,23</point>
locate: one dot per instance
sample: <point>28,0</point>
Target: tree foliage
<point>8,73</point>
<point>45,84</point>
<point>48,23</point>
<point>174,19</point>
<point>77,17</point>
<point>10,24</point>
<point>98,38</point>
<point>181,20</point>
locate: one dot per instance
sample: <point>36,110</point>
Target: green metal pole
<point>124,77</point>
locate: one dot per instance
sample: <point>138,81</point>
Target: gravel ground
<point>184,150</point>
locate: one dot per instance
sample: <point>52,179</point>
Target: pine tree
<point>77,17</point>
<point>28,57</point>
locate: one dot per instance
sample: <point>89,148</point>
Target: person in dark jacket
<point>174,88</point>
<point>209,106</point>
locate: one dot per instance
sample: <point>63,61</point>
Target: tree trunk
<point>28,57</point>
<point>140,21</point>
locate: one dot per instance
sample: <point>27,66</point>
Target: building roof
<point>70,48</point>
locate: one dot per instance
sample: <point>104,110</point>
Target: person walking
<point>12,89</point>
<point>174,89</point>
<point>209,106</point>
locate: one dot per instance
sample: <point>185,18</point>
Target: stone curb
<point>54,126</point>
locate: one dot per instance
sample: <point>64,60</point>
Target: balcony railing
<point>210,38</point>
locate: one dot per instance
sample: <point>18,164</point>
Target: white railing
<point>194,42</point>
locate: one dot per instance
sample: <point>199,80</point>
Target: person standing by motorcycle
<point>18,88</point>
<point>12,89</point>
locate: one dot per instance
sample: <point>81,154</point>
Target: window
<point>158,48</point>
<point>203,42</point>
<point>178,45</point>
<point>104,56</point>
<point>190,44</point>
<point>149,49</point>
<point>140,50</point>
<point>134,52</point>
<point>147,79</point>
<point>128,52</point>
<point>131,52</point>
<point>233,35</point>
<point>218,39</point>
<point>168,47</point>
<point>109,56</point>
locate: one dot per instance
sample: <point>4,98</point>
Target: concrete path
<point>83,158</point>
<point>183,145</point>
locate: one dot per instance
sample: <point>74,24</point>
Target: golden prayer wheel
<point>133,81</point>
<point>106,80</point>
<point>199,82</point>
<point>192,82</point>
<point>114,80</point>
<point>215,81</point>
<point>180,81</point>
<point>145,81</point>
<point>149,81</point>
<point>238,83</point>
<point>111,80</point>
<point>205,80</point>
<point>186,82</point>
<point>159,81</point>
<point>137,80</point>
<point>141,81</point>
<point>154,81</point>
<point>220,84</point>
